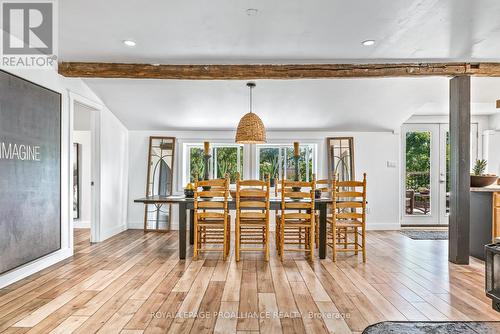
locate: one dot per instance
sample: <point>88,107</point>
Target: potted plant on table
<point>478,178</point>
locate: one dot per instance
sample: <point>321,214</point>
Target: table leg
<point>191,227</point>
<point>322,230</point>
<point>182,231</point>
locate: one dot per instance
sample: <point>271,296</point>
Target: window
<point>225,158</point>
<point>278,161</point>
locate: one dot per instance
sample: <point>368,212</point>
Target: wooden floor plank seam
<point>134,283</point>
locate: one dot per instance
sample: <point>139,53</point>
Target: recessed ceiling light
<point>129,42</point>
<point>368,42</point>
<point>252,11</point>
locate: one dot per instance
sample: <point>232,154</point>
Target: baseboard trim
<point>135,225</point>
<point>140,226</point>
<point>112,231</point>
<point>383,226</point>
<point>34,267</point>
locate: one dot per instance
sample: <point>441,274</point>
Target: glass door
<point>420,163</point>
<point>426,172</point>
<point>444,172</point>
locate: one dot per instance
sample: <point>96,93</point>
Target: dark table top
<point>182,199</point>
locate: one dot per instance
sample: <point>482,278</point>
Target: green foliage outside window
<point>302,164</point>
<point>227,162</point>
<point>196,163</point>
<point>270,163</point>
<point>418,163</point>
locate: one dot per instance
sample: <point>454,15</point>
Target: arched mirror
<point>341,158</point>
<point>157,217</point>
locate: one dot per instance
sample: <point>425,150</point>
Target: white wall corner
<point>108,233</point>
<point>81,224</point>
<point>135,225</point>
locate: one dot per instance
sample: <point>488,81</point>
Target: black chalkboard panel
<point>30,171</point>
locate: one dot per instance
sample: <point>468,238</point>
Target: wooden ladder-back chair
<point>348,221</point>
<point>297,217</point>
<point>252,216</point>
<point>325,185</point>
<point>212,223</point>
<point>294,234</point>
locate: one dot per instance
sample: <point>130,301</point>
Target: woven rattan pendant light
<point>250,130</point>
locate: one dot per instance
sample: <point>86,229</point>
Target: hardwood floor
<point>134,283</point>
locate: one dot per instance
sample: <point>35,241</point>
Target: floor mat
<point>462,327</point>
<point>425,235</point>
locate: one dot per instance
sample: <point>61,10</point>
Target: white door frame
<point>438,131</point>
<point>95,126</point>
<point>474,154</point>
<point>433,217</point>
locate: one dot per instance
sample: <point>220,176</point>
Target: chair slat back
<point>303,199</point>
<point>325,185</point>
<point>252,195</point>
<point>211,195</point>
<point>349,199</point>
<point>278,187</point>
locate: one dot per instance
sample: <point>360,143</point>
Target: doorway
<point>425,172</point>
<point>85,157</point>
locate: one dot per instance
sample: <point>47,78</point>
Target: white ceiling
<point>286,31</point>
<point>220,31</point>
<point>337,104</point>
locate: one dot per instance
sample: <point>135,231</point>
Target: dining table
<point>184,204</point>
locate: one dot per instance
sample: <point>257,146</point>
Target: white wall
<point>494,121</point>
<point>83,138</point>
<point>372,151</point>
<point>114,175</point>
<point>492,144</point>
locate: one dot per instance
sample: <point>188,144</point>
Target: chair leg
<point>195,250</point>
<point>228,237</point>
<point>306,238</point>
<point>316,234</point>
<point>363,242</point>
<point>277,235</point>
<point>345,237</point>
<point>334,243</point>
<point>282,241</point>
<point>267,242</point>
<point>224,249</point>
<point>355,241</point>
<point>237,239</point>
<point>311,242</point>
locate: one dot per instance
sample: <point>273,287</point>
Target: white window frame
<point>282,147</point>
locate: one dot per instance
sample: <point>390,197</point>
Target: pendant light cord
<point>251,85</point>
<point>251,101</point>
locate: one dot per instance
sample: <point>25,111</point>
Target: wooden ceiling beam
<point>295,71</point>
